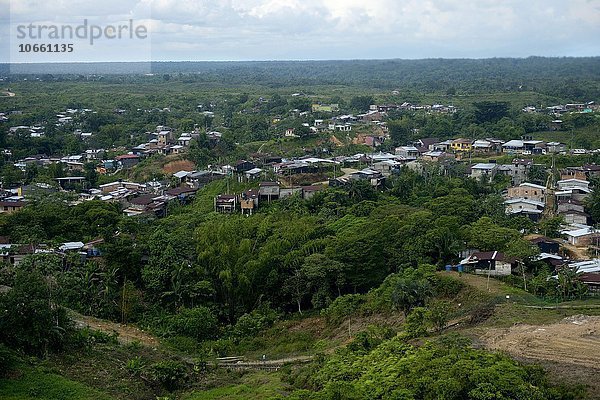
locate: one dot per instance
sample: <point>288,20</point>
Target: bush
<point>447,286</point>
<point>135,366</point>
<point>342,307</point>
<point>8,360</point>
<point>438,313</point>
<point>198,323</point>
<point>29,317</point>
<point>168,374</point>
<point>415,325</point>
<point>249,325</point>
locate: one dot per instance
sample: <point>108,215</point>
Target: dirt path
<point>9,94</point>
<point>127,333</point>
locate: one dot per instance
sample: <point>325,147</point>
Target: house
<point>437,156</point>
<point>545,244</point>
<point>572,189</point>
<point>580,236</point>
<point>177,149</point>
<point>585,172</point>
<point>71,247</point>
<point>164,137</point>
<point>309,191</point>
<point>460,145</point>
<point>556,147</point>
<point>269,190</point>
<point>225,203</point>
<point>518,170</point>
<point>530,208</point>
<point>513,146</point>
<point>426,143</point>
<point>446,145</point>
<point>592,281</point>
<point>375,178</point>
<point>249,201</point>
<point>570,205</point>
<point>70,182</point>
<point>253,173</point>
<point>483,146</point>
<point>110,187</point>
<point>575,217</point>
<point>387,167</point>
<point>13,254</point>
<point>485,171</point>
<point>184,140</point>
<point>325,107</point>
<point>9,207</point>
<point>407,152</point>
<point>146,204</point>
<point>127,161</point>
<point>243,166</point>
<point>198,179</point>
<point>552,260</point>
<point>181,175</point>
<point>567,184</point>
<point>183,193</point>
<point>492,263</point>
<point>291,191</point>
<point>527,191</point>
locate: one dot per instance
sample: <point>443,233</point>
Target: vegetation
<point>349,276</point>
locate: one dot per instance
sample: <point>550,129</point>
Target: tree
<point>361,103</point>
<point>485,235</point>
<point>490,111</point>
<point>522,250</point>
<point>30,319</point>
<point>409,292</point>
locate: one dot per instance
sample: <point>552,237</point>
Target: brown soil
<point>126,333</point>
<point>569,349</point>
<point>179,165</point>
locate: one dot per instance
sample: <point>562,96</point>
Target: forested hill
<point>578,76</point>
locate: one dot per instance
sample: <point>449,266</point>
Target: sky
<point>210,30</point>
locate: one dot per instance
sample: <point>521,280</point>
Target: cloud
<point>316,29</point>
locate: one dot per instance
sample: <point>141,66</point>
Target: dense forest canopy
<point>575,77</point>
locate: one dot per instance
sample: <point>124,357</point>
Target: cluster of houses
<point>11,200</point>
<point>459,147</point>
<point>566,198</point>
<point>14,253</point>
<point>564,108</point>
<point>248,201</point>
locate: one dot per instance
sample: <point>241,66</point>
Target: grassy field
<point>255,385</point>
<point>38,383</point>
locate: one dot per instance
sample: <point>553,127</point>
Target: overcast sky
<point>317,29</point>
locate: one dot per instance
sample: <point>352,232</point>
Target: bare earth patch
<point>179,165</point>
<point>569,348</point>
<point>126,333</point>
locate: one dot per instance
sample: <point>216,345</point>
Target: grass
<point>38,383</point>
<point>256,385</point>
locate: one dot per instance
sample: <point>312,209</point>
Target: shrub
<point>168,374</point>
<point>447,286</point>
<point>8,360</point>
<point>251,324</point>
<point>438,313</point>
<point>342,307</point>
<point>198,323</point>
<point>415,325</point>
<point>135,366</point>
